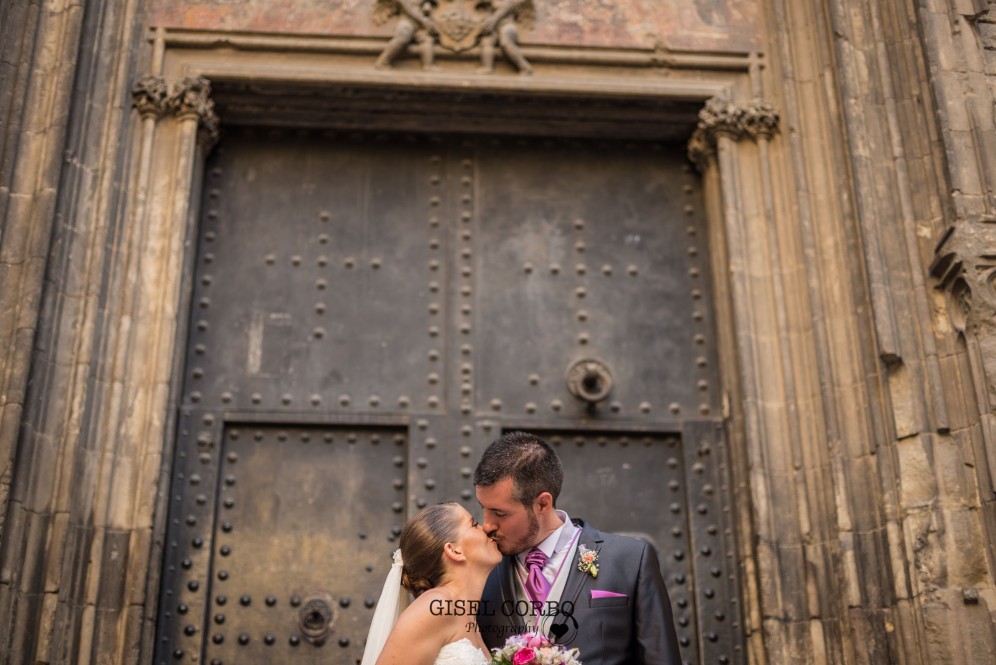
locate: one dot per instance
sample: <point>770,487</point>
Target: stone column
<point>965,267</point>
<point>61,75</point>
<point>132,423</point>
<point>37,64</point>
<point>91,464</point>
<point>790,554</point>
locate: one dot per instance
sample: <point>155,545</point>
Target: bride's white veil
<point>393,601</point>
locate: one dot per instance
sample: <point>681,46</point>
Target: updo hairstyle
<point>422,542</point>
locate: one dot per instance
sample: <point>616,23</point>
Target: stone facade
<point>846,148</point>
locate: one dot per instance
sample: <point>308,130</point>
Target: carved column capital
<point>190,98</point>
<point>721,117</point>
<point>149,96</point>
<point>760,119</point>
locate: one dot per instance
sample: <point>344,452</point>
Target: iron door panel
<point>289,566</point>
<point>634,484</point>
<point>307,296</point>
<point>183,603</point>
<point>592,250</point>
<point>666,488</point>
<point>712,587</point>
<point>303,538</point>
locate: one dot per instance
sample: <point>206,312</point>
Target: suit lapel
<point>506,576</point>
<point>592,539</point>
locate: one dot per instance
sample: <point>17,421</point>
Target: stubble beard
<point>524,543</point>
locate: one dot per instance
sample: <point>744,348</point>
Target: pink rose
<point>537,641</point>
<point>524,656</point>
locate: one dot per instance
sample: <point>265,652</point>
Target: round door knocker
<point>589,380</point>
<point>316,616</point>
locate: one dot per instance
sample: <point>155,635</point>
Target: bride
<point>444,560</point>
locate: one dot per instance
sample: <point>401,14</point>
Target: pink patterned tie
<point>537,586</point>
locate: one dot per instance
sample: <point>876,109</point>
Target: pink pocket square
<point>595,593</point>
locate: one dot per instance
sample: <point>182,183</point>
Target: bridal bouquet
<point>528,649</point>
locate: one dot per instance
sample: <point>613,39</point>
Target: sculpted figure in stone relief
<point>456,25</point>
<point>415,26</point>
<point>501,27</point>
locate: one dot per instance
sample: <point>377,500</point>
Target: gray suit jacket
<point>632,628</point>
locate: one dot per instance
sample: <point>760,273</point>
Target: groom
<point>600,593</point>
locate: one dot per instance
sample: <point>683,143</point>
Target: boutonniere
<point>586,561</point>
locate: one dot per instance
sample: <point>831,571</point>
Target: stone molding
<point>154,97</point>
<point>722,117</point>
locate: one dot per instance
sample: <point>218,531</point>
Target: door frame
<point>707,99</point>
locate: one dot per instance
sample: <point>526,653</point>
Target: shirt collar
<point>553,543</point>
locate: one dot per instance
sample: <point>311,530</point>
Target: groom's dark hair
<point>525,458</point>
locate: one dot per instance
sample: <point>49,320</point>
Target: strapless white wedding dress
<point>461,652</point>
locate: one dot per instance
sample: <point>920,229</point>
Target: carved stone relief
<point>457,26</point>
<point>154,97</point>
<point>965,266</point>
<point>149,96</point>
<point>723,117</point>
<point>984,23</point>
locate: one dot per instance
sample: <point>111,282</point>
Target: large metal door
<point>369,311</point>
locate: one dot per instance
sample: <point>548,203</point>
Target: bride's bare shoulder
<point>421,631</point>
<point>417,636</point>
<point>433,609</point>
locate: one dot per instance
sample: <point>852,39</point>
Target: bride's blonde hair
<point>422,542</point>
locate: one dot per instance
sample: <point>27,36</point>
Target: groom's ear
<point>544,501</point>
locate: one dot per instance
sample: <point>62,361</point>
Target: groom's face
<point>513,526</point>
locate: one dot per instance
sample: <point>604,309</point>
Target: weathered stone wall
<point>37,67</point>
<point>902,436</point>
<point>958,547</point>
<point>67,70</point>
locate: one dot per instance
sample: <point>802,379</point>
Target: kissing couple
<point>526,568</point>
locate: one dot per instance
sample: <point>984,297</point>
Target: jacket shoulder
<point>630,545</point>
